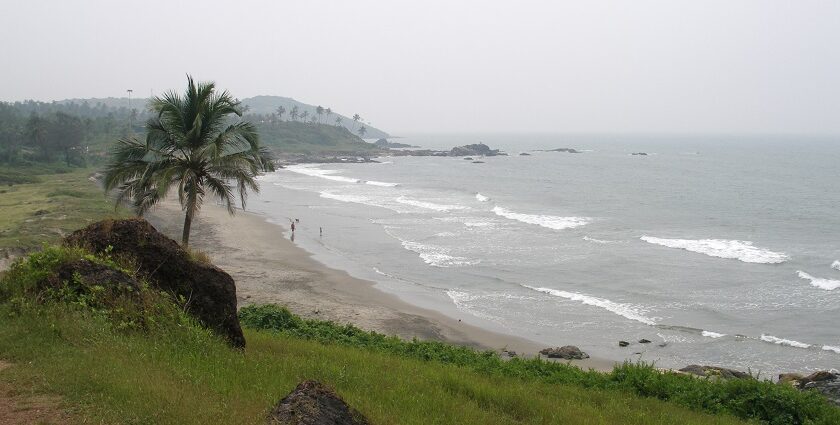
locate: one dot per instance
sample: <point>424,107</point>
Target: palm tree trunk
<point>185,237</point>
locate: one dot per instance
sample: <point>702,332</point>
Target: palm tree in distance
<point>280,111</point>
<point>304,115</point>
<point>320,111</point>
<point>195,141</point>
<point>337,121</point>
<point>328,111</point>
<point>356,119</point>
<point>294,113</point>
<point>362,131</point>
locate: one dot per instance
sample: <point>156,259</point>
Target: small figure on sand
<point>293,227</point>
<point>320,231</point>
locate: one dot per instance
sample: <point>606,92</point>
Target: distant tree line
<point>321,116</point>
<point>74,133</point>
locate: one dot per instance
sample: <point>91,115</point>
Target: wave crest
<point>481,198</point>
<point>721,248</point>
<point>827,284</point>
<point>836,265</point>
<point>549,221</point>
<point>782,341</point>
<point>625,310</point>
<point>429,205</point>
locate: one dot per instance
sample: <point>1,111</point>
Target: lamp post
<point>129,108</point>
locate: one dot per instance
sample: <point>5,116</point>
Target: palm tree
<point>196,142</point>
<point>280,111</point>
<point>304,115</point>
<point>294,113</point>
<point>362,131</point>
<point>320,111</point>
<point>356,119</point>
<point>329,112</point>
<point>337,121</point>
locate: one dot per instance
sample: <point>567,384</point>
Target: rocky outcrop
<point>568,352</point>
<point>827,383</point>
<point>478,149</point>
<point>566,150</point>
<point>385,144</point>
<point>639,153</point>
<point>208,292</point>
<point>714,371</point>
<point>311,403</point>
<point>623,343</point>
<point>524,154</point>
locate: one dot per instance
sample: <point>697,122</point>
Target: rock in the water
<point>524,154</point>
<point>311,403</point>
<point>479,149</point>
<point>568,352</point>
<point>639,153</point>
<point>478,162</point>
<point>644,341</point>
<point>209,291</point>
<point>567,150</point>
<point>714,371</point>
<point>468,158</point>
<point>623,343</point>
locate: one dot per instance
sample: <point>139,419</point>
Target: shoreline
<point>269,268</point>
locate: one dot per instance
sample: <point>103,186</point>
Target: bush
<point>745,398</point>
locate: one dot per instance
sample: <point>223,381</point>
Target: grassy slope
<point>188,377</point>
<point>296,137</point>
<point>66,202</point>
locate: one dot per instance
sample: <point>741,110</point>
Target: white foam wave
<point>481,198</point>
<point>711,334</point>
<point>601,241</point>
<point>733,249</point>
<point>437,256</point>
<point>309,170</point>
<point>626,310</point>
<point>836,265</point>
<point>549,221</point>
<point>381,184</point>
<point>827,284</point>
<point>429,205</point>
<point>782,341</point>
<point>356,199</point>
<point>830,348</point>
<point>477,223</point>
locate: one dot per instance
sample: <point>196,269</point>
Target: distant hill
<point>264,105</point>
<point>268,105</point>
<point>312,139</point>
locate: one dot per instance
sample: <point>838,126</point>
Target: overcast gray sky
<point>433,66</point>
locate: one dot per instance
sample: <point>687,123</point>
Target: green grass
<point>296,137</point>
<point>49,206</point>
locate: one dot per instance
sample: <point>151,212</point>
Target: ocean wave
<point>600,241</point>
<point>549,221</point>
<point>827,284</point>
<point>356,199</point>
<point>429,205</point>
<point>782,341</point>
<point>733,249</point>
<point>437,256</point>
<point>309,170</point>
<point>628,311</point>
<point>481,198</point>
<point>830,348</point>
<point>381,184</point>
<point>836,265</point>
<point>711,334</point>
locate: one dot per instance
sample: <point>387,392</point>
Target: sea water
<point>720,250</point>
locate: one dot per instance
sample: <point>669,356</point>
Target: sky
<point>587,66</point>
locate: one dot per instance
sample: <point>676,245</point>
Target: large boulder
<point>311,403</point>
<point>568,352</point>
<point>478,149</point>
<point>209,293</point>
<point>715,372</point>
<point>827,383</point>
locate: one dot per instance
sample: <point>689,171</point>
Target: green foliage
<point>748,399</point>
<point>298,137</point>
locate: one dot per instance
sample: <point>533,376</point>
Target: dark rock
<point>567,150</point>
<point>210,293</point>
<point>790,378</point>
<point>478,149</point>
<point>524,154</point>
<point>82,275</point>
<point>468,158</point>
<point>311,403</point>
<point>639,153</point>
<point>664,344</point>
<point>714,371</point>
<point>623,343</point>
<point>478,162</point>
<point>827,383</point>
<point>644,341</point>
<point>568,352</point>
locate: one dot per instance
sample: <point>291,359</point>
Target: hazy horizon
<point>643,67</point>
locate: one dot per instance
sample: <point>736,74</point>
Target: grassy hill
<point>296,137</point>
<point>266,105</point>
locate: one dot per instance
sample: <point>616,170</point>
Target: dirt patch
<point>25,409</point>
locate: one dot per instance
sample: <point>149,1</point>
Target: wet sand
<point>269,268</point>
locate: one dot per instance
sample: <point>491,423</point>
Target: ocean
<point>720,250</point>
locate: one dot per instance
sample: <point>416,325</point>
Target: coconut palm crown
<point>195,142</point>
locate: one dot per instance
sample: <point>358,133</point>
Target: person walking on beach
<point>293,227</point>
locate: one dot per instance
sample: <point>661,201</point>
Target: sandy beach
<point>269,268</point>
